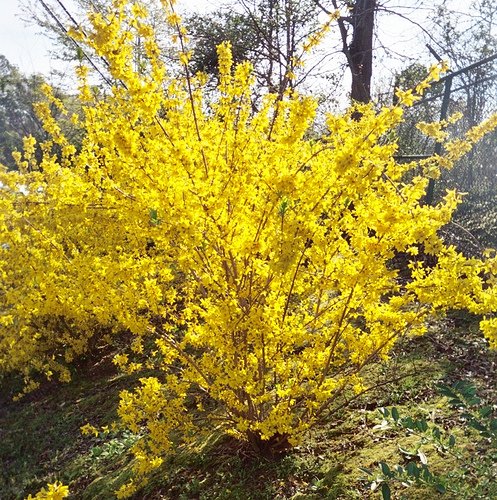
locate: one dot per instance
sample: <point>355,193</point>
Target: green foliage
<point>473,477</point>
<point>111,448</point>
<point>268,33</point>
<point>17,116</point>
<point>19,94</point>
<point>210,30</point>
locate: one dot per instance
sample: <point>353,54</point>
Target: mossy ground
<point>41,441</point>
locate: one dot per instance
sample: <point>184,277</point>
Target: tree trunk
<point>272,448</point>
<point>360,49</point>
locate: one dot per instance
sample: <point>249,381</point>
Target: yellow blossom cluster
<point>56,491</point>
<point>252,265</point>
<point>437,130</point>
<point>410,96</point>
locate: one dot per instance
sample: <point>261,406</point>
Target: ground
<point>41,441</point>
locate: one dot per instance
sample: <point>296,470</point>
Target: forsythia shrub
<point>251,263</point>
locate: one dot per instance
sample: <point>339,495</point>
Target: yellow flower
<point>55,491</point>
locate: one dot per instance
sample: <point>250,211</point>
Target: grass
<point>40,438</point>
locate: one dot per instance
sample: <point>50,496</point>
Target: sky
<point>24,45</point>
<point>20,43</point>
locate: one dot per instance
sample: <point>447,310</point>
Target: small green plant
<point>114,447</point>
<point>474,474</point>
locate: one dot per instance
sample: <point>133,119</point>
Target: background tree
<point>19,95</point>
<point>269,33</point>
<point>461,38</point>
<point>410,140</point>
<point>356,25</point>
<point>209,30</point>
<point>17,116</point>
<point>464,38</point>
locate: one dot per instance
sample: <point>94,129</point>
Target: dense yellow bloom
<point>409,97</point>
<point>251,263</point>
<point>56,491</point>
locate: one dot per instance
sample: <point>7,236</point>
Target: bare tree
<point>356,32</point>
